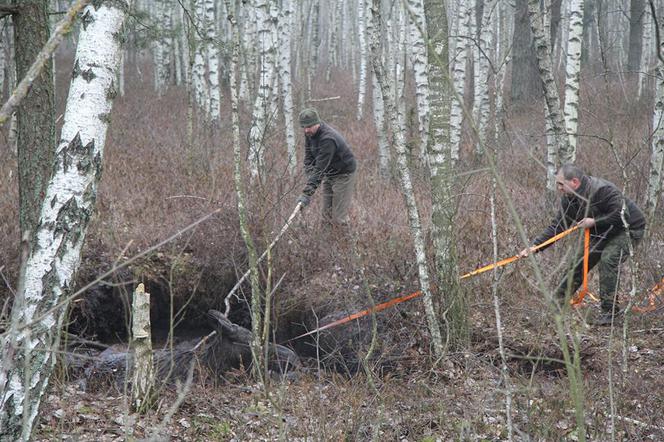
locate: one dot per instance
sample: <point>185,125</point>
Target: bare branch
<point>63,28</point>
<point>658,37</point>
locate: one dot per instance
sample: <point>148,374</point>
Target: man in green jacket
<point>595,204</point>
<point>327,160</point>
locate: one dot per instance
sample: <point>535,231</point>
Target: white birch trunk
<point>419,59</point>
<point>185,47</point>
<point>406,183</point>
<point>333,58</point>
<point>501,62</point>
<point>459,79</point>
<point>381,129</point>
<point>540,38</point>
<point>647,52</point>
<point>573,68</point>
<point>142,384</point>
<point>30,346</point>
<point>654,190</point>
<point>266,44</point>
<point>400,63</point>
<point>361,34</point>
<point>482,94</point>
<point>248,65</point>
<point>285,30</point>
<point>213,62</point>
<point>199,82</point>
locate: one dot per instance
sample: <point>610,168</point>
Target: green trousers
<point>609,254</point>
<point>337,195</point>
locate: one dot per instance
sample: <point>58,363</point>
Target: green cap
<point>309,117</point>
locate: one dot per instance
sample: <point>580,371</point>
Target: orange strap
<point>653,293</point>
<point>357,315</point>
<point>584,286</point>
<point>517,257</point>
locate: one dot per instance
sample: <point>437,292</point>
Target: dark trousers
<point>337,195</point>
<point>609,254</point>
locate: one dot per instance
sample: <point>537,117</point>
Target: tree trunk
<point>636,10</point>
<point>362,85</point>
<point>483,86</point>
<point>31,343</point>
<point>573,68</point>
<point>654,191</point>
<point>285,30</point>
<point>459,79</point>
<point>407,186</point>
<point>418,56</point>
<point>213,62</point>
<point>526,83</point>
<point>264,11</point>
<point>256,318</point>
<point>35,115</point>
<point>440,163</point>
<point>142,384</point>
<point>543,54</point>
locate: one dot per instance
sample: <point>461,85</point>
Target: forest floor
<point>463,397</point>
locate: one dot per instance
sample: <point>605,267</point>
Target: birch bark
<point>285,30</point>
<point>406,183</point>
<point>573,68</point>
<point>361,34</point>
<point>483,85</point>
<point>256,319</point>
<point>552,99</point>
<point>442,169</point>
<point>29,347</point>
<point>418,56</point>
<point>459,79</point>
<point>212,49</point>
<point>654,190</point>
<point>264,11</point>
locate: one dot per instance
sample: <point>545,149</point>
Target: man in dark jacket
<point>595,204</point>
<point>327,160</point>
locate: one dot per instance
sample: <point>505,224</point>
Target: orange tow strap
<point>506,261</point>
<point>584,286</point>
<point>357,315</point>
<point>653,293</point>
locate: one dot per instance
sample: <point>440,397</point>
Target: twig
<point>227,301</point>
<point>639,423</point>
<point>63,27</point>
<point>314,100</point>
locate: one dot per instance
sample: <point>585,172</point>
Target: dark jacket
<point>606,202</point>
<point>326,154</point>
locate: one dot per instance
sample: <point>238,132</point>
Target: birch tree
<point>30,345</point>
<point>459,78</point>
<point>442,170</point>
<point>482,86</point>
<point>406,182</point>
<point>35,121</point>
<point>418,56</point>
<point>199,82</point>
<point>285,29</point>
<point>362,84</point>
<point>572,70</point>
<point>213,62</point>
<point>266,20</point>
<point>654,190</point>
<point>552,99</point>
<point>256,318</point>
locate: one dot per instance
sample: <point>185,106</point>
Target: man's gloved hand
<point>304,200</point>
